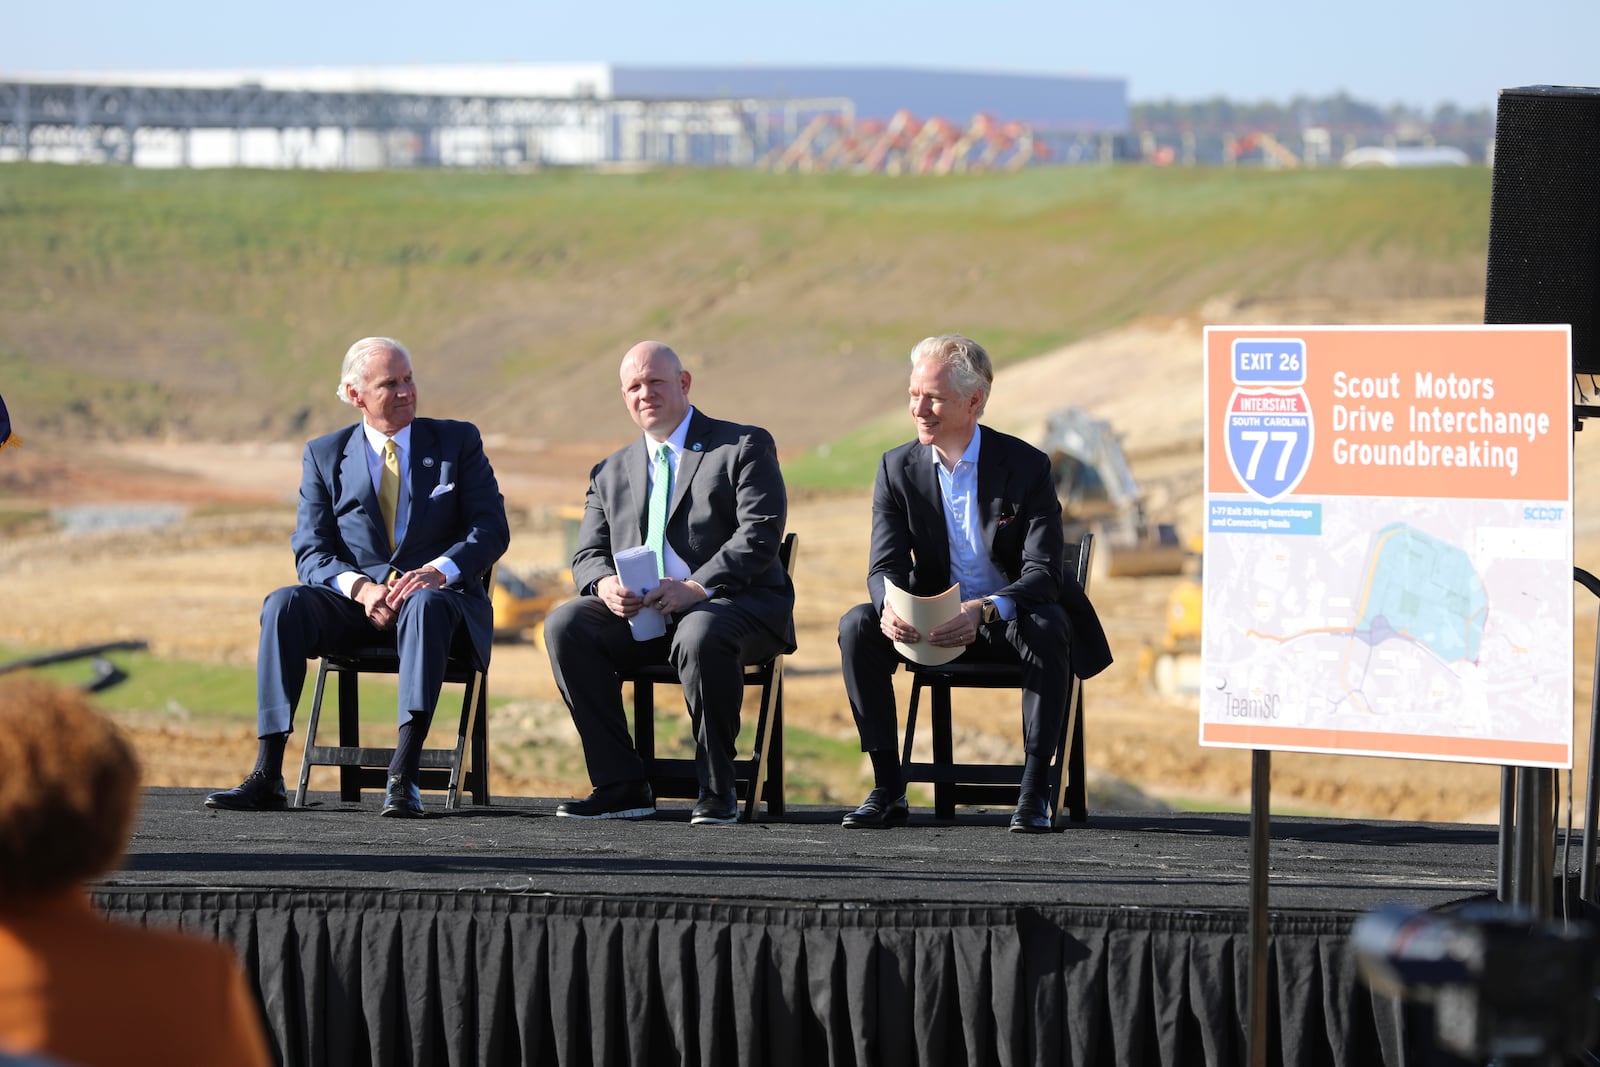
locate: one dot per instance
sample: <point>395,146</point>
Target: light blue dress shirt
<point>970,565</point>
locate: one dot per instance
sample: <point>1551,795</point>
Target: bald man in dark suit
<point>724,592</point>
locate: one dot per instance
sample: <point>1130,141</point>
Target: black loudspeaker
<point>1544,215</point>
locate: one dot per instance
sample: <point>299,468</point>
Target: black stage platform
<point>504,935</point>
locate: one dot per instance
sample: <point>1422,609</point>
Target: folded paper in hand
<point>924,613</point>
<point>636,569</point>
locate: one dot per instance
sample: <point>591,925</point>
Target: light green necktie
<point>660,497</point>
<point>389,489</point>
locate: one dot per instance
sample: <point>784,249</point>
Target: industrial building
<point>583,114</point>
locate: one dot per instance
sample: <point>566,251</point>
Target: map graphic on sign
<point>1388,556</point>
<point>1425,590</point>
<point>1357,632</point>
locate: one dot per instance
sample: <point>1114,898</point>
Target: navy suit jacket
<point>725,520</point>
<point>1020,516</point>
<point>456,510</point>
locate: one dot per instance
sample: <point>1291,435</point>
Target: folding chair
<point>987,783</point>
<point>360,768</point>
<point>761,774</point>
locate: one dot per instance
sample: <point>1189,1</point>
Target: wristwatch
<point>987,611</point>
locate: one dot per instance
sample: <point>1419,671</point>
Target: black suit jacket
<point>725,520</point>
<point>1020,515</point>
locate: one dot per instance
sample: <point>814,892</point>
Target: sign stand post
<point>1260,838</point>
<point>1591,794</point>
<point>1533,841</point>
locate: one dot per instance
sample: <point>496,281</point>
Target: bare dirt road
<point>192,588</point>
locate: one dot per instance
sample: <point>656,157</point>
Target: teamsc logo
<point>1269,427</point>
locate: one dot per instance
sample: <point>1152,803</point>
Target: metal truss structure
<point>120,123</point>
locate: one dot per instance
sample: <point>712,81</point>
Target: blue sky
<point>1416,52</point>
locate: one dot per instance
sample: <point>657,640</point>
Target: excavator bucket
<point>1157,551</point>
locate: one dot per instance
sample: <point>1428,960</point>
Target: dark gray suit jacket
<point>1021,521</point>
<point>456,510</point>
<point>726,518</point>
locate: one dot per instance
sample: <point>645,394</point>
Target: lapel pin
<point>695,447</point>
<point>427,461</point>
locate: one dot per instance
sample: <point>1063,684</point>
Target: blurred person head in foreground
<point>74,985</point>
<point>399,524</point>
<point>68,794</point>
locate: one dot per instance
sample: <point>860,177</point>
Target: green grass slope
<point>216,304</point>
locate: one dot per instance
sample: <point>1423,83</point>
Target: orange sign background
<point>1528,369</point>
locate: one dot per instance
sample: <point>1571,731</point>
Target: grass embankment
<point>187,688</point>
<point>214,304</point>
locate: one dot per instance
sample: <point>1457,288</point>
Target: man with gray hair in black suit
<point>965,504</point>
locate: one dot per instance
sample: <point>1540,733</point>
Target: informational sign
<point>1388,542</point>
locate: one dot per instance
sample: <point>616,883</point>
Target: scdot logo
<point>1542,514</point>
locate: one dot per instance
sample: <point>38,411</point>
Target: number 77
<point>1259,439</point>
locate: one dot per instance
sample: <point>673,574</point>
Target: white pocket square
<point>441,490</point>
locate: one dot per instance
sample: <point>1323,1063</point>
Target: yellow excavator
<point>1172,667</point>
<point>521,601</point>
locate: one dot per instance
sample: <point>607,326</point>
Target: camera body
<point>1501,983</point>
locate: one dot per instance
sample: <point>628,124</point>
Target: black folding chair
<point>991,783</point>
<point>760,775</point>
<point>464,766</point>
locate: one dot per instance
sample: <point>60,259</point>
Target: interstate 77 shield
<point>1268,424</point>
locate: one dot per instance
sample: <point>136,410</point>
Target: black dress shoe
<point>881,808</point>
<point>712,810</point>
<point>1032,815</point>
<point>619,800</point>
<point>403,799</point>
<point>256,793</point>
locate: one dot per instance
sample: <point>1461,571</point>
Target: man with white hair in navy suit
<point>399,520</point>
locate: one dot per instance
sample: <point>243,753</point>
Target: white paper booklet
<point>636,568</point>
<point>924,612</point>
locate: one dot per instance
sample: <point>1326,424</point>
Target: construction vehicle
<point>1099,495</point>
<point>521,601</point>
<point>1172,667</point>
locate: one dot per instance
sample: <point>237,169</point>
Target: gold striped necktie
<point>389,489</point>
